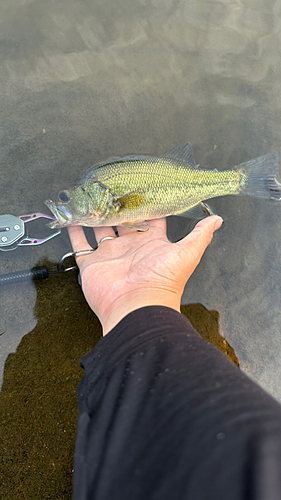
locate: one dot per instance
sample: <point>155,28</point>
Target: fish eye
<point>64,196</point>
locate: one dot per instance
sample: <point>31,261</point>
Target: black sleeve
<point>164,415</point>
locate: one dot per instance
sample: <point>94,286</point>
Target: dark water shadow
<point>38,399</point>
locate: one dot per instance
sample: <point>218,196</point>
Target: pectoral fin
<point>200,211</point>
<point>132,201</point>
<point>139,226</point>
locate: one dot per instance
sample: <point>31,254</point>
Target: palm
<point>121,266</point>
<point>135,262</point>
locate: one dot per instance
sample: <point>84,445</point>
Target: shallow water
<point>82,81</point>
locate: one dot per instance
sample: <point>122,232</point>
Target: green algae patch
<point>207,325</point>
<point>38,404</point>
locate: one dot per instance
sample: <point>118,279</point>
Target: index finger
<point>78,239</point>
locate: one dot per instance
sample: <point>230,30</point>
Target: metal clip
<point>61,265</point>
<point>13,232</point>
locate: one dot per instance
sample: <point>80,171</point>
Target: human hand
<point>138,269</point>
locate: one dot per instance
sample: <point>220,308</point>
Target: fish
<point>132,190</point>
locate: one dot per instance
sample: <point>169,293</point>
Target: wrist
<point>131,301</point>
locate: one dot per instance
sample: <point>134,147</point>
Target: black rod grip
<point>36,273</point>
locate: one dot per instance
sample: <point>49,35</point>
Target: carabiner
<point>60,265</point>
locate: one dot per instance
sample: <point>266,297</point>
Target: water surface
<point>82,81</point>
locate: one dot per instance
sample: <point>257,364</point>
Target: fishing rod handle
<point>36,273</point>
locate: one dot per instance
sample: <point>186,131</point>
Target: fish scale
<point>185,187</point>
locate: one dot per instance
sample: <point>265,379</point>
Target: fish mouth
<point>60,213</point>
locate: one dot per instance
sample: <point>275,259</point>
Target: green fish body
<point>131,190</point>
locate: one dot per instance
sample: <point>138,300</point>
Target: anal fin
<point>199,211</point>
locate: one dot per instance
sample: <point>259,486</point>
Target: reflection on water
<point>82,81</point>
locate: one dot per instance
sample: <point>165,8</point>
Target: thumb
<point>194,244</point>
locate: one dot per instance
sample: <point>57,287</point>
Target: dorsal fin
<point>183,152</point>
<point>89,173</point>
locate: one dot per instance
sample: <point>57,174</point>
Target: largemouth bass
<point>131,190</point>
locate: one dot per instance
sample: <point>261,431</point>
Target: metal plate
<point>11,230</point>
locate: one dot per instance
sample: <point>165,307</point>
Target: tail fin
<point>259,177</point>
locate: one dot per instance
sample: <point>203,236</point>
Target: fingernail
<point>218,223</point>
